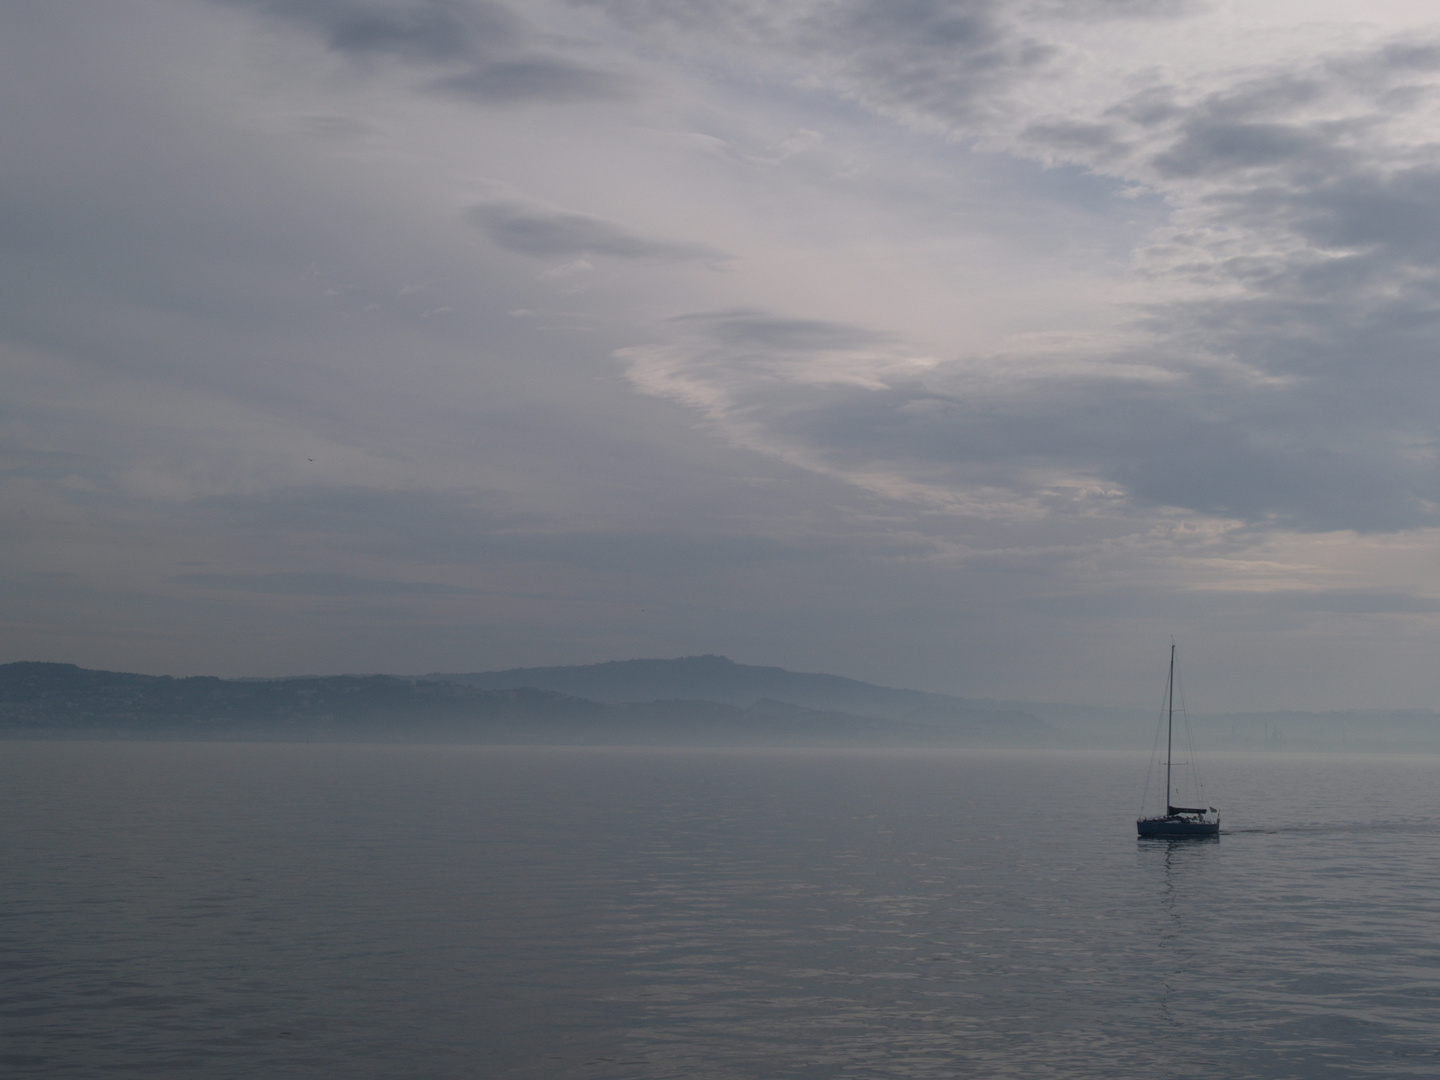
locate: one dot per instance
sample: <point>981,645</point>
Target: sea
<point>402,911</point>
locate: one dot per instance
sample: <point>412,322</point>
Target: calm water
<point>348,911</point>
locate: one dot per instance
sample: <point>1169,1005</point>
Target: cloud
<point>547,233</point>
<point>1354,601</point>
<point>1107,10</point>
<point>1138,431</point>
<point>1278,372</point>
<point>532,78</point>
<point>463,528</point>
<point>318,583</point>
<point>753,328</point>
<point>941,60</point>
<point>428,31</point>
<point>487,52</point>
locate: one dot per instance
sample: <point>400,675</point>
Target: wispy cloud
<point>313,583</point>
<point>547,233</point>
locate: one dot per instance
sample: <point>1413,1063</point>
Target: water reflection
<point>1183,885</point>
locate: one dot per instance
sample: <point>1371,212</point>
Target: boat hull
<point>1177,826</point>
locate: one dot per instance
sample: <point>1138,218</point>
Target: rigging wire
<point>1155,752</point>
<point>1191,762</point>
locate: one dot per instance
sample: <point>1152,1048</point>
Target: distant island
<point>688,701</point>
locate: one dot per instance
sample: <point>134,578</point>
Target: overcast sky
<point>971,345</point>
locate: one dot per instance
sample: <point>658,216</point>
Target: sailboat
<point>1177,821</point>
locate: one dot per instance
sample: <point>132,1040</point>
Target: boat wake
<point>1338,827</point>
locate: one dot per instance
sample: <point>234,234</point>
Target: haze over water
<point>399,911</point>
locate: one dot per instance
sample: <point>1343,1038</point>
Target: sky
<point>978,346</point>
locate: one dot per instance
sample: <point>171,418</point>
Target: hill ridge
<point>46,700</point>
<point>711,677</point>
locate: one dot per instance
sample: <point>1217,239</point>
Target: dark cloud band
<point>488,53</point>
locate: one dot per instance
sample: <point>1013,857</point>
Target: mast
<point>1169,725</point>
